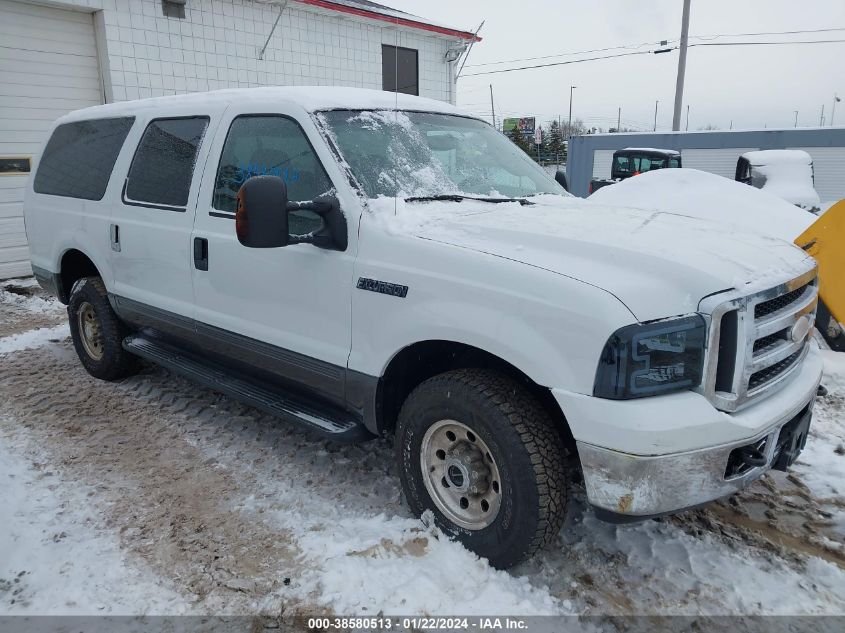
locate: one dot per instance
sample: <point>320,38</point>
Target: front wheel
<point>476,449</point>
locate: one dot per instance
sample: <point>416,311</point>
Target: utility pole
<point>655,114</point>
<point>682,68</point>
<point>836,99</point>
<point>821,118</point>
<point>619,121</point>
<point>687,128</point>
<point>571,88</point>
<point>796,118</point>
<point>492,107</point>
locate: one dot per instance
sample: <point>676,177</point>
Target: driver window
<point>259,145</point>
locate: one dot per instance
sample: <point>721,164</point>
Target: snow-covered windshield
<point>418,154</point>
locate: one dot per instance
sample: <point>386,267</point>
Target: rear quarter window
<point>79,157</point>
<point>163,166</point>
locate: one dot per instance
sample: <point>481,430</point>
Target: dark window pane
<point>400,70</point>
<point>163,166</point>
<point>79,158</point>
<point>276,146</point>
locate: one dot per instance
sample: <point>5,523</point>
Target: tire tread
<point>117,362</point>
<point>538,435</point>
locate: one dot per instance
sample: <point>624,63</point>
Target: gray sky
<point>752,86</point>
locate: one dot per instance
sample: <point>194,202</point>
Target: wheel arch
<point>74,264</point>
<point>422,360</point>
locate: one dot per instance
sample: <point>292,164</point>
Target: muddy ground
<point>218,501</point>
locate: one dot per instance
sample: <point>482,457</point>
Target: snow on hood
<point>658,264</point>
<point>690,192</point>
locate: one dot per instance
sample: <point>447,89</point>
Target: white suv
<point>363,263</point>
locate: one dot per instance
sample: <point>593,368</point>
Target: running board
<point>334,424</point>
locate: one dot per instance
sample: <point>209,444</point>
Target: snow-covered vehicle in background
<point>786,173</point>
<point>762,211</point>
<point>633,161</point>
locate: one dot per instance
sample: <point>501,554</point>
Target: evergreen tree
<point>554,144</point>
<point>519,140</point>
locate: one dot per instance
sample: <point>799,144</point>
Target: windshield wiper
<point>456,197</point>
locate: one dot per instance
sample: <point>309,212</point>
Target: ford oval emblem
<point>800,329</point>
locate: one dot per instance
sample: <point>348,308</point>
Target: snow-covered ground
<point>825,205</point>
<point>155,496</point>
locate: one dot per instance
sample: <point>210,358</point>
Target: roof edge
<point>374,15</point>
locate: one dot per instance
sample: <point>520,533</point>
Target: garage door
<point>717,161</point>
<point>829,169</point>
<point>48,67</point>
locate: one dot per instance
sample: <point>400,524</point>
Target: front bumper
<point>625,486</point>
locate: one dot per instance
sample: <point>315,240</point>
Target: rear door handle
<point>200,253</point>
<point>114,233</point>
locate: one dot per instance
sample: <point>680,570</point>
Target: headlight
<point>652,358</point>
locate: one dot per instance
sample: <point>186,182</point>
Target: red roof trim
<point>342,8</point>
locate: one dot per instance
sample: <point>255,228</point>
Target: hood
<point>658,264</point>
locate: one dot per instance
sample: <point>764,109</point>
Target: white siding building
<point>63,55</point>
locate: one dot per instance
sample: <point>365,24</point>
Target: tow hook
<point>752,456</point>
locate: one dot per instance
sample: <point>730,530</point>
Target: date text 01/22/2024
<point>419,623</point>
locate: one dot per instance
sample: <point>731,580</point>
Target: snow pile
<point>675,573</point>
<point>787,174</point>
<point>396,566</point>
<point>20,293</point>
<point>826,206</point>
<point>821,467</point>
<point>778,157</point>
<point>54,559</point>
<point>703,195</point>
<point>33,338</point>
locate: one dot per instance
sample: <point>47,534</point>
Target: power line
<point>664,50</point>
<point>572,61</point>
<point>767,43</point>
<point>592,50</point>
<point>659,42</point>
<point>714,36</point>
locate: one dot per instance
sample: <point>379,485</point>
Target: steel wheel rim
<point>89,331</point>
<point>460,474</point>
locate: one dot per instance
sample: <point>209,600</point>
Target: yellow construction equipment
<point>825,240</point>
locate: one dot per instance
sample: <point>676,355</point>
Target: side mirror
<point>560,176</point>
<point>261,220</point>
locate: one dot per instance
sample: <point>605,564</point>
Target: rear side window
<point>79,158</point>
<point>163,166</point>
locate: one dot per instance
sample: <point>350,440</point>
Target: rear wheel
<point>97,333</point>
<point>476,449</point>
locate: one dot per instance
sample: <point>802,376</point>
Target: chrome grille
<point>755,341</point>
<point>764,376</point>
<point>778,303</point>
<point>767,343</point>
